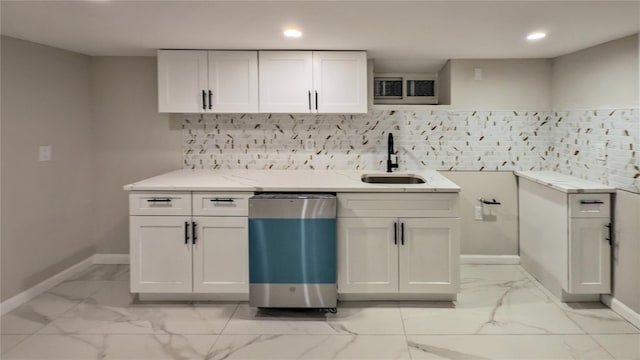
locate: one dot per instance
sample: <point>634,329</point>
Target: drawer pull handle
<point>591,202</point>
<point>159,200</point>
<point>222,200</point>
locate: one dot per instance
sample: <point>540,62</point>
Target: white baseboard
<point>622,309</point>
<point>45,285</point>
<point>490,259</point>
<point>13,302</point>
<point>111,258</point>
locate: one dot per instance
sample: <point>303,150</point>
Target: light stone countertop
<point>565,183</point>
<point>287,180</point>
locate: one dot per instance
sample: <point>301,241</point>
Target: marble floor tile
<point>621,346</point>
<point>8,342</point>
<point>597,318</point>
<point>350,319</point>
<point>249,320</point>
<point>310,347</point>
<point>113,310</point>
<point>35,314</point>
<point>506,347</point>
<point>118,272</point>
<point>491,272</point>
<point>492,307</point>
<point>139,347</point>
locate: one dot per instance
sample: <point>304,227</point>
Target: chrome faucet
<point>390,164</point>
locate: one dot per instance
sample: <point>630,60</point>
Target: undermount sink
<point>392,179</point>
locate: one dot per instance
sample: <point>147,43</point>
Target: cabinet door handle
<point>395,233</point>
<point>159,200</point>
<point>309,100</point>
<point>222,200</point>
<point>316,100</point>
<point>186,233</point>
<point>210,99</point>
<point>609,227</point>
<point>204,100</point>
<point>402,233</point>
<point>589,202</point>
<point>193,229</point>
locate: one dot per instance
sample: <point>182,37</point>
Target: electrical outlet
<point>601,151</point>
<point>478,213</point>
<point>44,153</point>
<point>309,145</point>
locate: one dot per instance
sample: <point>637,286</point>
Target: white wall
<point>47,211</point>
<point>507,84</point>
<point>599,77</point>
<point>132,141</point>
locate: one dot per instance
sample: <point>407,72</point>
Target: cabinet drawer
<point>221,204</point>
<point>589,205</point>
<point>398,205</point>
<point>160,203</point>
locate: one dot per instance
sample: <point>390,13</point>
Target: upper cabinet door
<point>233,82</point>
<point>340,81</point>
<point>286,81</point>
<point>182,81</point>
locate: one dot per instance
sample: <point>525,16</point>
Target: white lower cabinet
<point>589,256</point>
<point>199,251</point>
<point>220,255</point>
<point>397,255</point>
<point>160,254</point>
<point>565,240</point>
<point>406,255</point>
<point>367,255</point>
<point>429,256</point>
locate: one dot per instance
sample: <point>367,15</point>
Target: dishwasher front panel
<point>292,251</point>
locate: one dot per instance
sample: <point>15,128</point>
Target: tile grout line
<point>404,330</point>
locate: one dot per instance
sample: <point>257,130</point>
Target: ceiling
<point>399,35</point>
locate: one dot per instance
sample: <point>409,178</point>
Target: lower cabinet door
<point>160,249</point>
<point>221,255</point>
<point>589,256</point>
<point>429,255</point>
<point>367,255</point>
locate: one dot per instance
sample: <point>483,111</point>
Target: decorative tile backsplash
<point>434,139</point>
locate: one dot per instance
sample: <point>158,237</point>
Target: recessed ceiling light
<point>293,33</point>
<point>536,36</point>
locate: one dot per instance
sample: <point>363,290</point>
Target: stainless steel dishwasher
<point>292,251</point>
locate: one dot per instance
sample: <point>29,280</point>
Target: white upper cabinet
<point>286,81</point>
<point>340,81</point>
<point>313,81</point>
<point>207,81</point>
<point>182,79</point>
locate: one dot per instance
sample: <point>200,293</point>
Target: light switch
<point>477,74</point>
<point>44,153</point>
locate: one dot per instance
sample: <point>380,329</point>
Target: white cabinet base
<point>397,297</point>
<point>193,297</point>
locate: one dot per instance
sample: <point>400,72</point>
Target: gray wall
<point>603,76</point>
<point>497,234</point>
<point>47,211</point>
<point>132,141</point>
<point>507,84</point>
